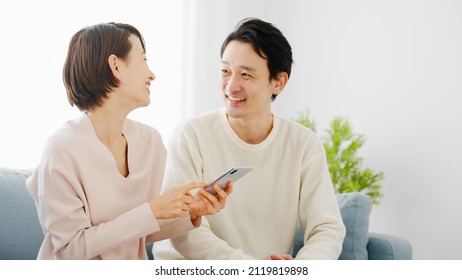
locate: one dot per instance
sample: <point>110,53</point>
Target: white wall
<point>394,68</point>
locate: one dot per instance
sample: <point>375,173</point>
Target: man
<point>290,178</point>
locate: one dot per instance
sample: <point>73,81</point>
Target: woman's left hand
<point>206,203</point>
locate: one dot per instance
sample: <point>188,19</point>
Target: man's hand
<point>279,257</point>
<point>206,203</point>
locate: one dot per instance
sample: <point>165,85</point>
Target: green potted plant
<point>345,165</point>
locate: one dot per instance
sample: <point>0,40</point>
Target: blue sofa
<point>21,235</point>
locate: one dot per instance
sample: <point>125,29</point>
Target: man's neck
<point>252,131</point>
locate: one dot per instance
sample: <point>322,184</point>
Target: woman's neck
<point>108,124</point>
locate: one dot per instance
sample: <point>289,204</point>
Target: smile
<point>234,99</point>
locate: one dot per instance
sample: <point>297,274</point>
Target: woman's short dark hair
<point>86,73</point>
<point>267,41</point>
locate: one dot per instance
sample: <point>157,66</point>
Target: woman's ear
<point>113,61</point>
<point>280,82</point>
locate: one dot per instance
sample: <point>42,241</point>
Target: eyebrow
<point>248,68</point>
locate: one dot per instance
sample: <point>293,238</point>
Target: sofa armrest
<point>387,247</point>
<point>20,232</point>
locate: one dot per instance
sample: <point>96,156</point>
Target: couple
<point>100,189</point>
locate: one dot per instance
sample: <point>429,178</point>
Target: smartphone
<point>233,174</point>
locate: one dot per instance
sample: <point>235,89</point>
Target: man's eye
<point>224,71</point>
<point>245,75</point>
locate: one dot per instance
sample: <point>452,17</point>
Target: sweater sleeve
<point>318,209</point>
<point>203,244</point>
<point>184,164</point>
<point>170,228</point>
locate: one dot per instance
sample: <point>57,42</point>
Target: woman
<point>97,187</point>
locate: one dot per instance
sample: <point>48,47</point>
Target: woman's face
<point>135,76</point>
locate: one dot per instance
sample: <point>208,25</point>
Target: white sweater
<point>290,179</point>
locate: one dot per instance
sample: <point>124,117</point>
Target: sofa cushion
<point>355,209</point>
<point>21,235</point>
<point>388,247</point>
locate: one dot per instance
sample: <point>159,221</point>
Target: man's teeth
<point>146,86</point>
<point>236,99</point>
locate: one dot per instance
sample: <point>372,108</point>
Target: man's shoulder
<point>205,117</point>
<point>291,126</point>
<point>200,121</point>
<point>299,136</point>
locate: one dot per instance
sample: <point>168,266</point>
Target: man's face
<point>245,82</point>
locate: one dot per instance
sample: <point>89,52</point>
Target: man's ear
<point>113,61</point>
<point>280,82</point>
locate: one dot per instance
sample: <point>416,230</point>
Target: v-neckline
<point>108,151</point>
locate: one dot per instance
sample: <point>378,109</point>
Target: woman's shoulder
<point>142,130</point>
<point>67,134</point>
<point>66,140</point>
